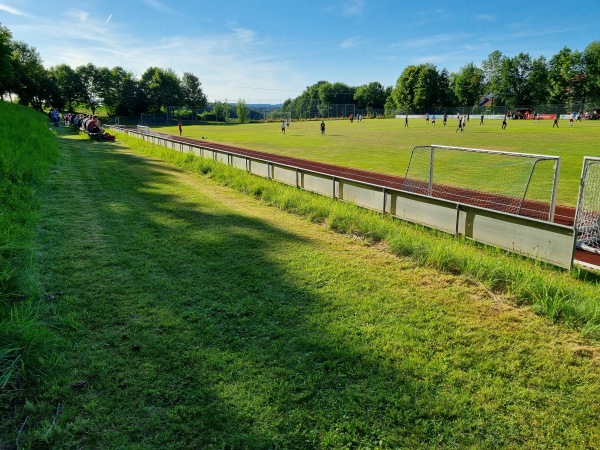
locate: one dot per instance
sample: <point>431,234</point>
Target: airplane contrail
<point>107,20</point>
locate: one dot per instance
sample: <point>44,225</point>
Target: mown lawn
<point>384,145</point>
<point>194,316</point>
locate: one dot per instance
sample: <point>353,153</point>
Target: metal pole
<point>430,187</point>
<point>554,189</point>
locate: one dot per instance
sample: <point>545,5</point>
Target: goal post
<point>587,216</point>
<point>517,183</point>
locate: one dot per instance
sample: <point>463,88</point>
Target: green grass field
<point>176,303</point>
<point>384,145</point>
<point>195,316</point>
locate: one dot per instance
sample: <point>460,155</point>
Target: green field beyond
<point>384,145</point>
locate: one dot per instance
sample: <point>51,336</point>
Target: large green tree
<point>307,103</point>
<point>6,68</point>
<point>31,78</point>
<point>468,85</point>
<point>426,89</point>
<point>191,90</point>
<point>514,76</point>
<point>404,91</point>
<point>567,78</point>
<point>68,82</point>
<point>53,95</point>
<point>538,82</point>
<point>242,111</point>
<point>372,95</point>
<point>121,93</point>
<point>493,75</point>
<point>336,93</point>
<point>591,61</point>
<point>91,83</point>
<point>162,88</point>
<point>221,111</point>
<point>422,88</point>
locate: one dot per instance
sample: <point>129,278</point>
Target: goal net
<point>587,220</point>
<point>516,183</point>
<point>280,116</point>
<point>144,129</point>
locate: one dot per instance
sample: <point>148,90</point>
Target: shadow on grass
<point>189,326</point>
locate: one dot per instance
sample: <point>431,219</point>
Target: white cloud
<point>433,40</point>
<point>485,18</point>
<point>157,5</point>
<point>350,43</point>
<point>13,11</point>
<point>354,7</point>
<point>78,15</point>
<point>453,60</point>
<point>245,35</point>
<point>238,63</point>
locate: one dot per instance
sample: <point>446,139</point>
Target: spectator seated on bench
<point>93,126</point>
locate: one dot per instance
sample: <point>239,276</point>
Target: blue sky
<point>269,51</point>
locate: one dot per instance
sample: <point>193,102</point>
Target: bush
<point>207,117</point>
<point>183,114</point>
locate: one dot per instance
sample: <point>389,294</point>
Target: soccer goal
<point>587,217</point>
<point>281,116</point>
<point>145,129</point>
<point>516,183</point>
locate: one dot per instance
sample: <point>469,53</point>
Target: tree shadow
<point>199,331</point>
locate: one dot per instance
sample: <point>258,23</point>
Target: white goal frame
<point>587,216</point>
<point>423,183</point>
<point>145,129</point>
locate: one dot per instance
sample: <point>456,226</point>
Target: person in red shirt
<point>93,125</point>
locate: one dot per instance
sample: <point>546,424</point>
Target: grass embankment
<point>384,145</point>
<point>197,317</point>
<point>27,151</point>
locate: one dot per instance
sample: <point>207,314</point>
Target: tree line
<point>120,92</point>
<point>567,78</point>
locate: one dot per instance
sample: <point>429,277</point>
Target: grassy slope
<point>385,145</point>
<point>196,316</point>
<point>27,151</point>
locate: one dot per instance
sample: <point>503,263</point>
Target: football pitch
<point>385,145</point>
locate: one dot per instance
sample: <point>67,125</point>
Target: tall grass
<point>27,151</point>
<point>571,298</point>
